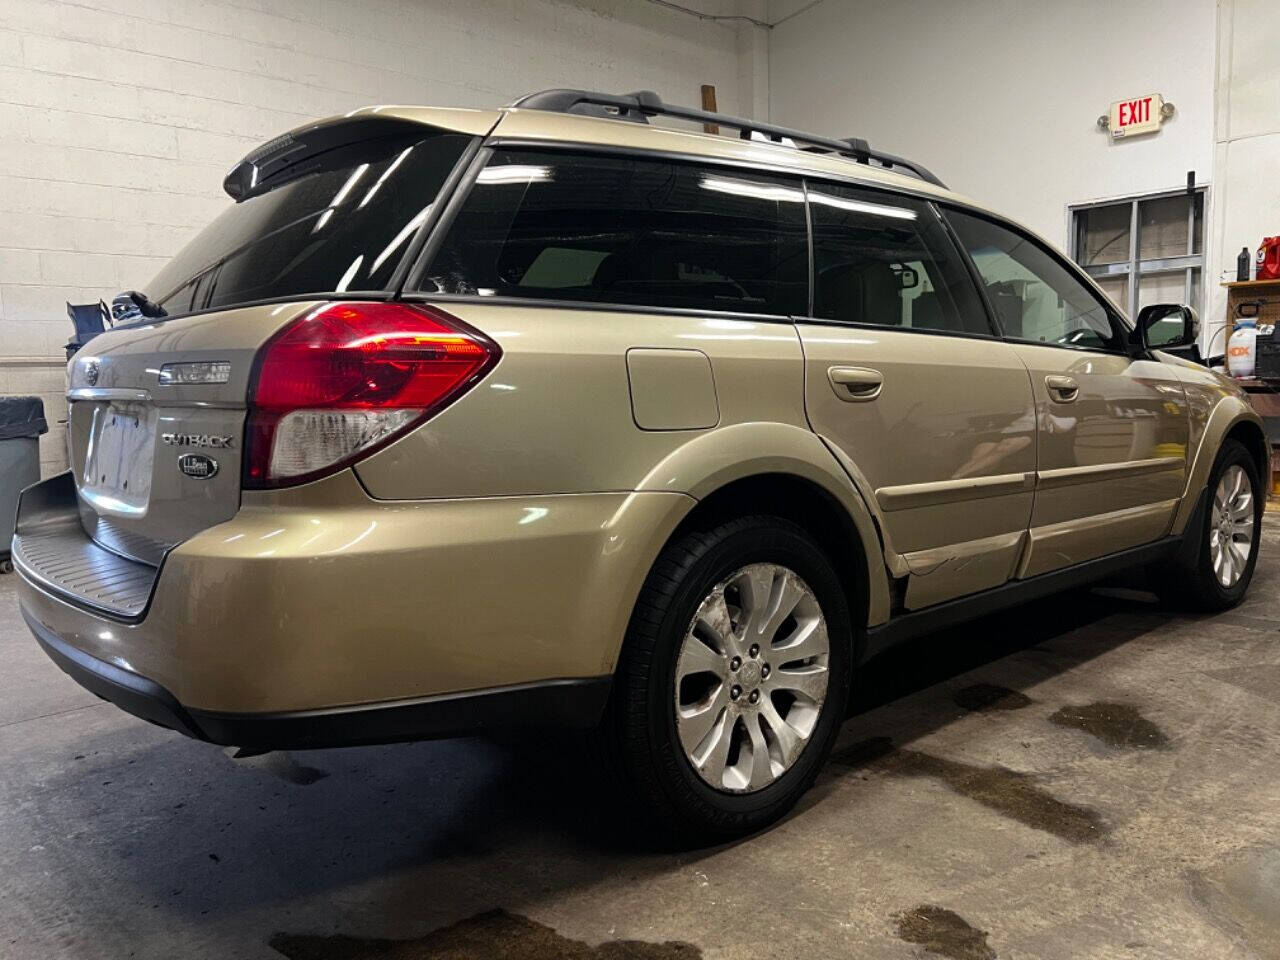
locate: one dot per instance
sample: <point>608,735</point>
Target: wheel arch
<point>1232,419</point>
<point>1254,440</point>
<point>785,471</point>
<point>809,506</point>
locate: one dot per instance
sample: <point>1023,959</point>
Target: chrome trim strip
<point>120,394</point>
<point>1068,476</point>
<point>952,491</point>
<point>108,393</point>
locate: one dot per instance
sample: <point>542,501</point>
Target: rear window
<point>627,230</point>
<point>885,259</point>
<point>344,227</point>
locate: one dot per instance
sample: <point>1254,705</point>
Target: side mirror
<point>1162,326</point>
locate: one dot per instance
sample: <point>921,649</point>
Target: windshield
<point>342,228</point>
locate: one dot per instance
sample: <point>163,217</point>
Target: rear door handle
<point>1062,389</point>
<point>856,384</point>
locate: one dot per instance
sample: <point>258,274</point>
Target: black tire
<point>639,730</point>
<point>1189,582</point>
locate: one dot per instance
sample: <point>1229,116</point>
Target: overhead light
<point>340,196</point>
<point>861,206</point>
<point>759,191</point>
<point>383,179</point>
<point>401,237</point>
<point>350,274</point>
<point>514,173</point>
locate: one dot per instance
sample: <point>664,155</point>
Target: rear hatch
<point>156,427</point>
<point>158,406</point>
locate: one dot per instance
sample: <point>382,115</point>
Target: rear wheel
<point>1216,573</point>
<point>733,679</point>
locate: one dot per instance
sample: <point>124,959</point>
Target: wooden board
<point>709,104</point>
<point>1248,284</point>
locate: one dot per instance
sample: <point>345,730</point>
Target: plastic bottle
<point>1242,264</point>
<point>1242,349</point>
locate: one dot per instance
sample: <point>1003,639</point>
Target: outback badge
<point>198,465</point>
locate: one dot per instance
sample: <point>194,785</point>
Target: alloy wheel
<point>751,678</point>
<point>1231,526</point>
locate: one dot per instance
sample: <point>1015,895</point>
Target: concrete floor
<point>1087,777</point>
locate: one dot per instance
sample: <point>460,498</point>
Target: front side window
<point>885,260</point>
<point>548,225</point>
<point>1034,296</point>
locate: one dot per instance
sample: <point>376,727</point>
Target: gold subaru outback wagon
<point>456,420</point>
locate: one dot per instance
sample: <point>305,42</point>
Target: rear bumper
<point>129,691</point>
<point>556,703</point>
<point>50,548</point>
<point>318,615</point>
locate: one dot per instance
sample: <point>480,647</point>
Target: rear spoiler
<point>297,153</point>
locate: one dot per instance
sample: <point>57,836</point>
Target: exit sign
<point>1138,115</point>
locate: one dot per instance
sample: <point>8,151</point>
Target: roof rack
<point>639,106</point>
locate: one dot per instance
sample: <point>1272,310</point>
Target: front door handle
<point>1062,389</point>
<point>856,384</point>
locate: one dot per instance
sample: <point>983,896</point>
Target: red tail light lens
<point>348,378</point>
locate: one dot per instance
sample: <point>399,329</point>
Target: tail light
<point>348,378</point>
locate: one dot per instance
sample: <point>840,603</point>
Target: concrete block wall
<point>119,118</point>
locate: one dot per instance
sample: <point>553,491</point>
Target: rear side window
<point>343,227</point>
<point>886,260</point>
<point>627,230</point>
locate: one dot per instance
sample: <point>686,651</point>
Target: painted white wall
<point>1000,98</point>
<point>119,118</point>
<point>1246,187</point>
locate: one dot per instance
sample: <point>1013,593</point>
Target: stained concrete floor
<point>1090,776</point>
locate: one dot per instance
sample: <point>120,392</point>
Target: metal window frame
<point>1136,267</point>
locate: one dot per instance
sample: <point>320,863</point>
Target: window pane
<point>1168,287</point>
<point>1035,296</point>
<point>1197,236</point>
<point>1117,288</point>
<point>625,230</point>
<point>1103,234</point>
<point>1162,227</point>
<point>886,260</point>
<point>344,227</point>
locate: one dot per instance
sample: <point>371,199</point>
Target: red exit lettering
<point>1135,111</point>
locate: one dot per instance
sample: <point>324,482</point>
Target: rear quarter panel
<point>556,416</point>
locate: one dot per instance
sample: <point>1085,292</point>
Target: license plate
<point>117,468</point>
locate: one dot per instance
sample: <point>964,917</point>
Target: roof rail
<point>639,106</point>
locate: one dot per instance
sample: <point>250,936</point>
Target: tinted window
<point>344,227</point>
<point>1035,297</point>
<point>886,260</point>
<point>627,230</point>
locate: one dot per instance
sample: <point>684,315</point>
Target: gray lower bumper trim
<point>51,549</point>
